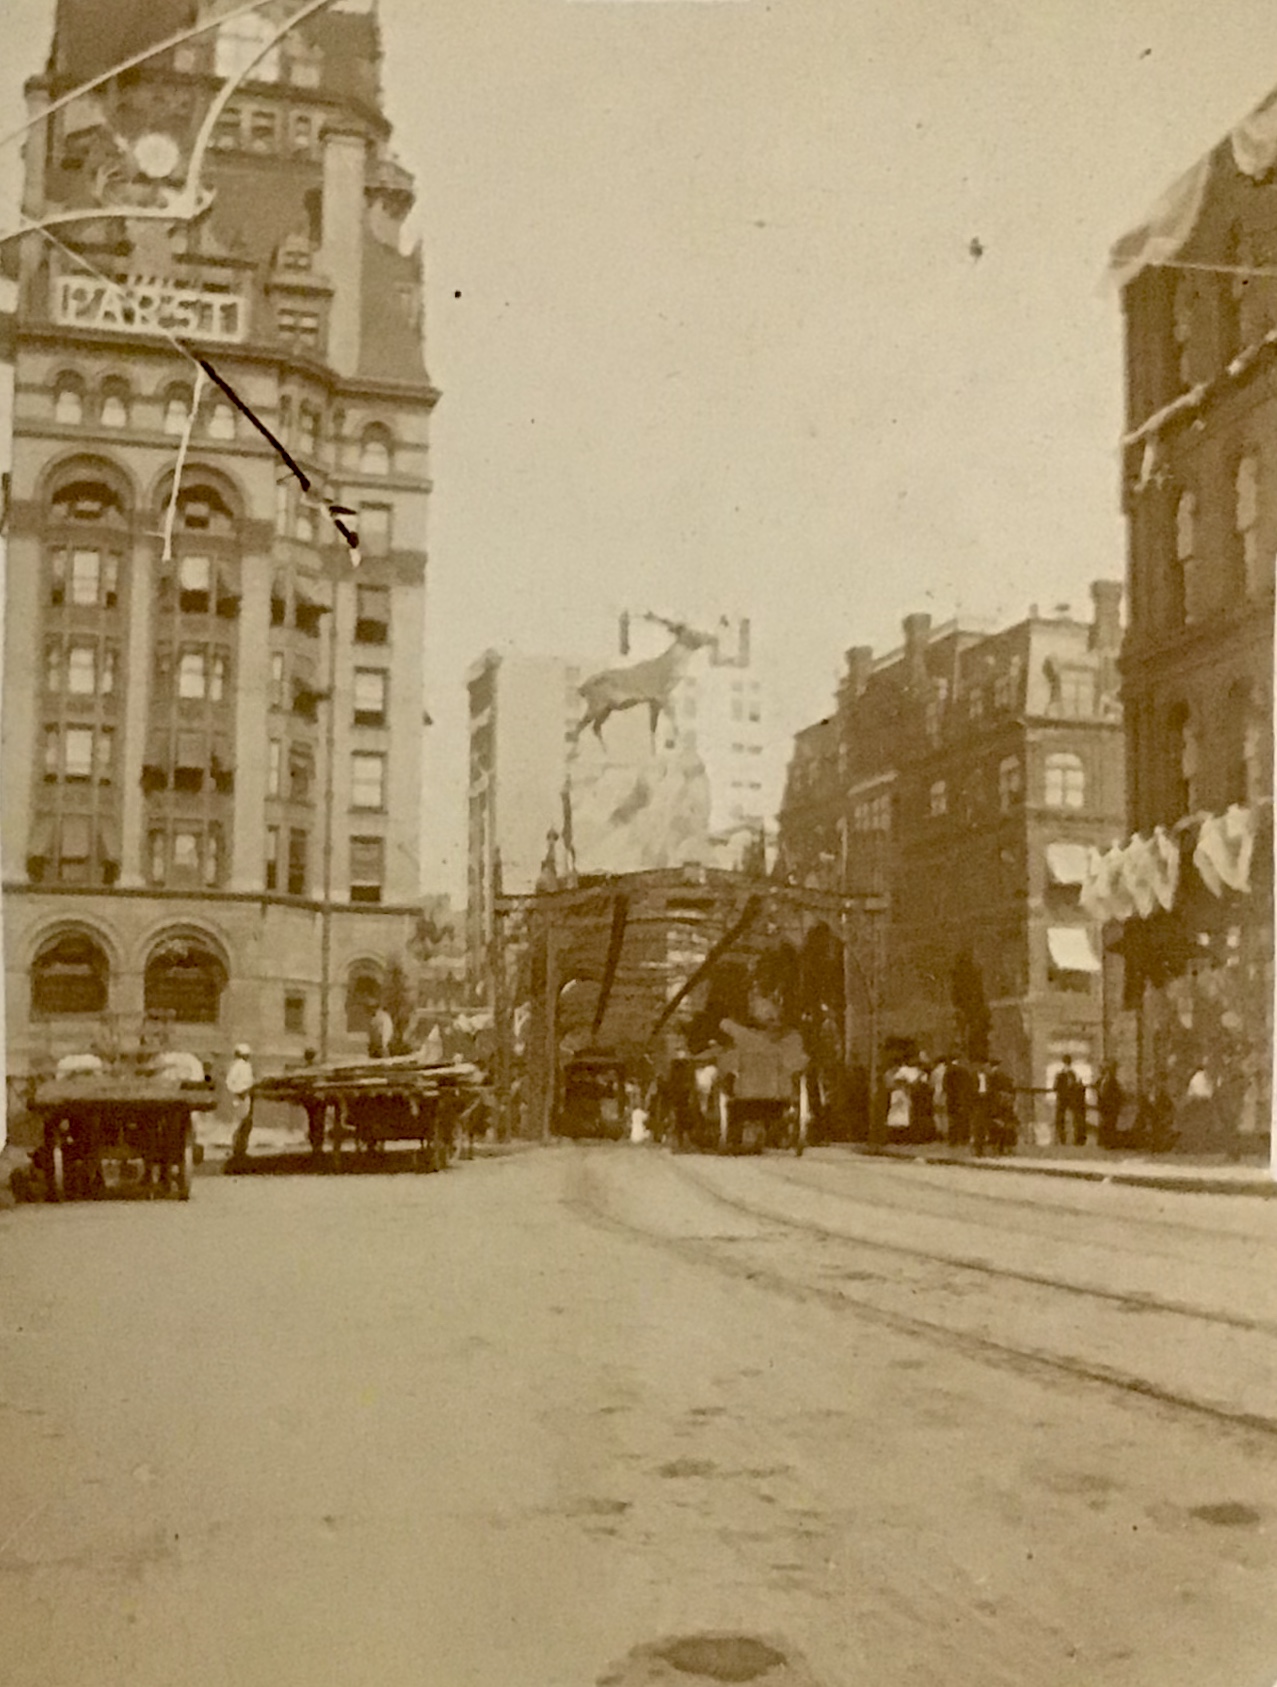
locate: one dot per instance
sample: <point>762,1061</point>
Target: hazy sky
<point>707,324</point>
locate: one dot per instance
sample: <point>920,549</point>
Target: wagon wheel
<point>184,1168</point>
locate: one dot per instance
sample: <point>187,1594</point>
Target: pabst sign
<point>140,306</point>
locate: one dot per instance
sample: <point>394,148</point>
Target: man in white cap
<point>239,1086</point>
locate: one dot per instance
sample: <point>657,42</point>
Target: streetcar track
<point>1031,1361</point>
<point>876,1165</point>
<point>1133,1302</point>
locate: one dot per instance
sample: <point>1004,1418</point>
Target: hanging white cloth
<point>1255,140</point>
<point>1093,897</point>
<point>1166,863</point>
<point>1139,874</point>
<point>1121,902</point>
<point>1225,848</point>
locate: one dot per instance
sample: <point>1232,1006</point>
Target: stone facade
<point>213,702</point>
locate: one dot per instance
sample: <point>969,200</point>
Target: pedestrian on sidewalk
<point>1003,1121</point>
<point>1110,1098</point>
<point>1070,1104</point>
<point>239,1087</point>
<point>959,1090</point>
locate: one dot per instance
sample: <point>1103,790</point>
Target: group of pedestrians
<point>1072,1105</point>
<point>966,1103</point>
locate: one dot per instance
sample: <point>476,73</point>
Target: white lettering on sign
<point>146,306</point>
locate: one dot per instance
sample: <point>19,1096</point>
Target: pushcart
<point>359,1109</point>
<point>140,1127</point>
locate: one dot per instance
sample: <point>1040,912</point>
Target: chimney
<point>1106,621</point>
<point>860,661</point>
<point>342,246</point>
<point>625,632</point>
<point>917,630</point>
<point>742,643</point>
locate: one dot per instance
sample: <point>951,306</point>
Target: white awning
<point>1066,863</point>
<point>1071,950</point>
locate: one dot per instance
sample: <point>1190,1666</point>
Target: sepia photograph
<point>636,767</point>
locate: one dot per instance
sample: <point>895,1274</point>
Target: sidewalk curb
<point>1259,1186</point>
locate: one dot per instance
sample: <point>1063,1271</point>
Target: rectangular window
<point>192,674</point>
<point>367,869</point>
<point>272,858</point>
<point>217,677</point>
<point>303,131</point>
<point>156,851</point>
<point>308,426</point>
<point>78,746</point>
<point>274,759</point>
<point>226,130</point>
<point>262,131</point>
<point>194,581</point>
<point>213,857</point>
<point>370,696</point>
<point>186,854</point>
<point>939,799</point>
<point>82,670</point>
<point>282,506</point>
<point>108,671</point>
<point>110,581</point>
<point>372,614</point>
<point>367,781</point>
<point>75,846</point>
<point>104,754</point>
<point>374,529</point>
<point>294,1013</point>
<point>86,577</point>
<point>1010,783</point>
<point>52,752</point>
<point>301,767</point>
<point>277,679</point>
<point>296,863</point>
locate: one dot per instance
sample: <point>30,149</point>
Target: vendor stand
<point>374,1102</point>
<point>141,1124</point>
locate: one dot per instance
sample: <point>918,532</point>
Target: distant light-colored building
<point>522,711</point>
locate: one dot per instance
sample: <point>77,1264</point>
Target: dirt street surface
<point>588,1416</point>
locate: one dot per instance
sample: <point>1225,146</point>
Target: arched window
<point>375,451</point>
<point>177,408</point>
<point>115,404</point>
<point>1246,522</point>
<point>70,975</point>
<point>68,402</point>
<point>1065,780</point>
<point>184,981</point>
<point>1182,759</point>
<point>1186,556</point>
<point>239,42</point>
<point>1244,733</point>
<point>221,421</point>
<point>363,998</point>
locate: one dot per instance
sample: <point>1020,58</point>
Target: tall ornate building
<point>1199,297</point>
<point>213,704</point>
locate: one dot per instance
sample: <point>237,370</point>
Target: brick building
<point>972,773</point>
<point>212,705</point>
<point>1199,300</point>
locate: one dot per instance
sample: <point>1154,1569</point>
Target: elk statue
<point>651,682</point>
